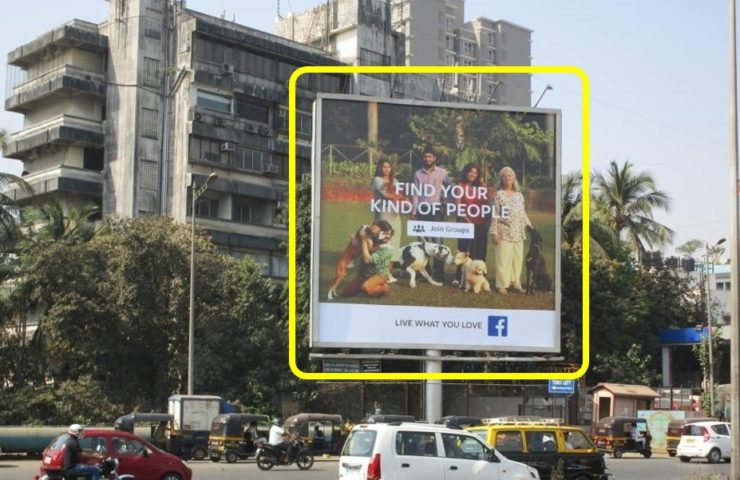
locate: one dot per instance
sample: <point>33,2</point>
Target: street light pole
<point>709,324</point>
<point>196,193</point>
<point>548,87</point>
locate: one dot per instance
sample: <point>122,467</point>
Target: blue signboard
<point>566,387</point>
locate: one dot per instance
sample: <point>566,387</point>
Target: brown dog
<point>377,234</point>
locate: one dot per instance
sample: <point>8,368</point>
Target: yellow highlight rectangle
<point>292,341</point>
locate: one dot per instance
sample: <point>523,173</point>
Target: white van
<point>418,451</point>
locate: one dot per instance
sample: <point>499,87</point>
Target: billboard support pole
<point>434,387</point>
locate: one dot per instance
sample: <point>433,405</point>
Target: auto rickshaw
<point>155,427</point>
<point>673,434</point>
<point>319,430</point>
<point>617,435</point>
<point>229,439</point>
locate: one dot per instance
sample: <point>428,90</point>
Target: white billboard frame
<point>315,331</point>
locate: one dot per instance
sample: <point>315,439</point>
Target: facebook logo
<point>498,326</point>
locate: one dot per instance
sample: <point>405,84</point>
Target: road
<point>660,467</point>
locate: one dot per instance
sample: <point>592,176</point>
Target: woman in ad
<point>508,232</point>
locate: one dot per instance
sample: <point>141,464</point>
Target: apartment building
<point>421,32</point>
<point>129,113</point>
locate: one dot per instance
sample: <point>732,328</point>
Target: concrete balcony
<point>59,130</point>
<point>66,80</point>
<point>70,180</point>
<point>73,34</point>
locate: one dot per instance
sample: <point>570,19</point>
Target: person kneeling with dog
<point>374,272</point>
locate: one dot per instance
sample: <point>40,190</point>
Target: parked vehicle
<point>156,425</point>
<point>269,456</point>
<point>304,426</point>
<point>616,435</point>
<point>108,469</point>
<point>673,434</point>
<point>228,438</point>
<point>545,444</point>
<point>135,455</point>
<point>400,451</point>
<point>710,440</point>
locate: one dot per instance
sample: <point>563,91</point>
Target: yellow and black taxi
<point>673,434</point>
<point>230,437</point>
<point>554,449</point>
<point>618,435</point>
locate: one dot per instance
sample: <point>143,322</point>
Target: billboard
<point>435,226</point>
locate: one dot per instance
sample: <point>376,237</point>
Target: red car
<point>135,456</point>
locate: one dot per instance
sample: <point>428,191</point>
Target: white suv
<point>710,440</point>
<point>419,451</point>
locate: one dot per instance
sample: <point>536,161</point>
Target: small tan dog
<point>476,277</point>
<point>473,272</point>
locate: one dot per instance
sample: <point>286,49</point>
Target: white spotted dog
<point>415,257</point>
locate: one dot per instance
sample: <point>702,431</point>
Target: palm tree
<point>630,199</point>
<point>48,223</point>
<point>602,236</point>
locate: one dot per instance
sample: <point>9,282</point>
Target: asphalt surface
<point>629,467</point>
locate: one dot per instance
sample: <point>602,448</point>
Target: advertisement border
<point>571,70</point>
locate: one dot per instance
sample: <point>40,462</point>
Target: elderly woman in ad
<point>508,232</point>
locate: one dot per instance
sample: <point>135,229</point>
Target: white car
<point>710,440</point>
<point>418,451</point>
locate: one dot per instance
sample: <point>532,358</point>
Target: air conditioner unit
<point>250,127</point>
<point>219,121</point>
<point>198,117</point>
<point>264,130</point>
<point>227,147</point>
<point>270,168</point>
<point>227,68</point>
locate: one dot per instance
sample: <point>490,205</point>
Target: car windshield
<point>360,443</point>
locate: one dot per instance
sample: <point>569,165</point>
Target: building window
<point>152,72</point>
<point>148,175</point>
<point>249,159</point>
<point>212,101</point>
<point>492,56</point>
<point>209,151</point>
<point>261,258</point>
<point>251,210</point>
<point>153,24</point>
<point>252,111</point>
<point>205,207</point>
<point>150,123</point>
<point>279,266</point>
<point>92,159</point>
<point>303,123</point>
<point>491,38</point>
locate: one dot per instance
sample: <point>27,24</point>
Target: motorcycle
<point>108,470</point>
<point>269,456</point>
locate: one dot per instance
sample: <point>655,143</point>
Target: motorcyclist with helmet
<point>73,464</point>
<point>281,439</point>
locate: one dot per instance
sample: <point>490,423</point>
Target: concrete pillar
<point>666,361</point>
<point>434,388</point>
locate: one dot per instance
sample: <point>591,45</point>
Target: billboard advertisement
<point>435,226</point>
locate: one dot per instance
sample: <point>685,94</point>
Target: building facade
<point>421,32</point>
<point>129,113</point>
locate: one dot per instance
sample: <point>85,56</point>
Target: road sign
<point>562,387</point>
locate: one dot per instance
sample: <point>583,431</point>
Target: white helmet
<point>75,429</point>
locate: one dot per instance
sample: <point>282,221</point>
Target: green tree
<point>630,199</point>
<point>689,248</point>
<point>9,210</point>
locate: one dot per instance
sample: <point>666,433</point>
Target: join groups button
<point>416,228</point>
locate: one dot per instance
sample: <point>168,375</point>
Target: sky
<point>658,71</point>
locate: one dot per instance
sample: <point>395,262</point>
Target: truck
<point>191,424</point>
